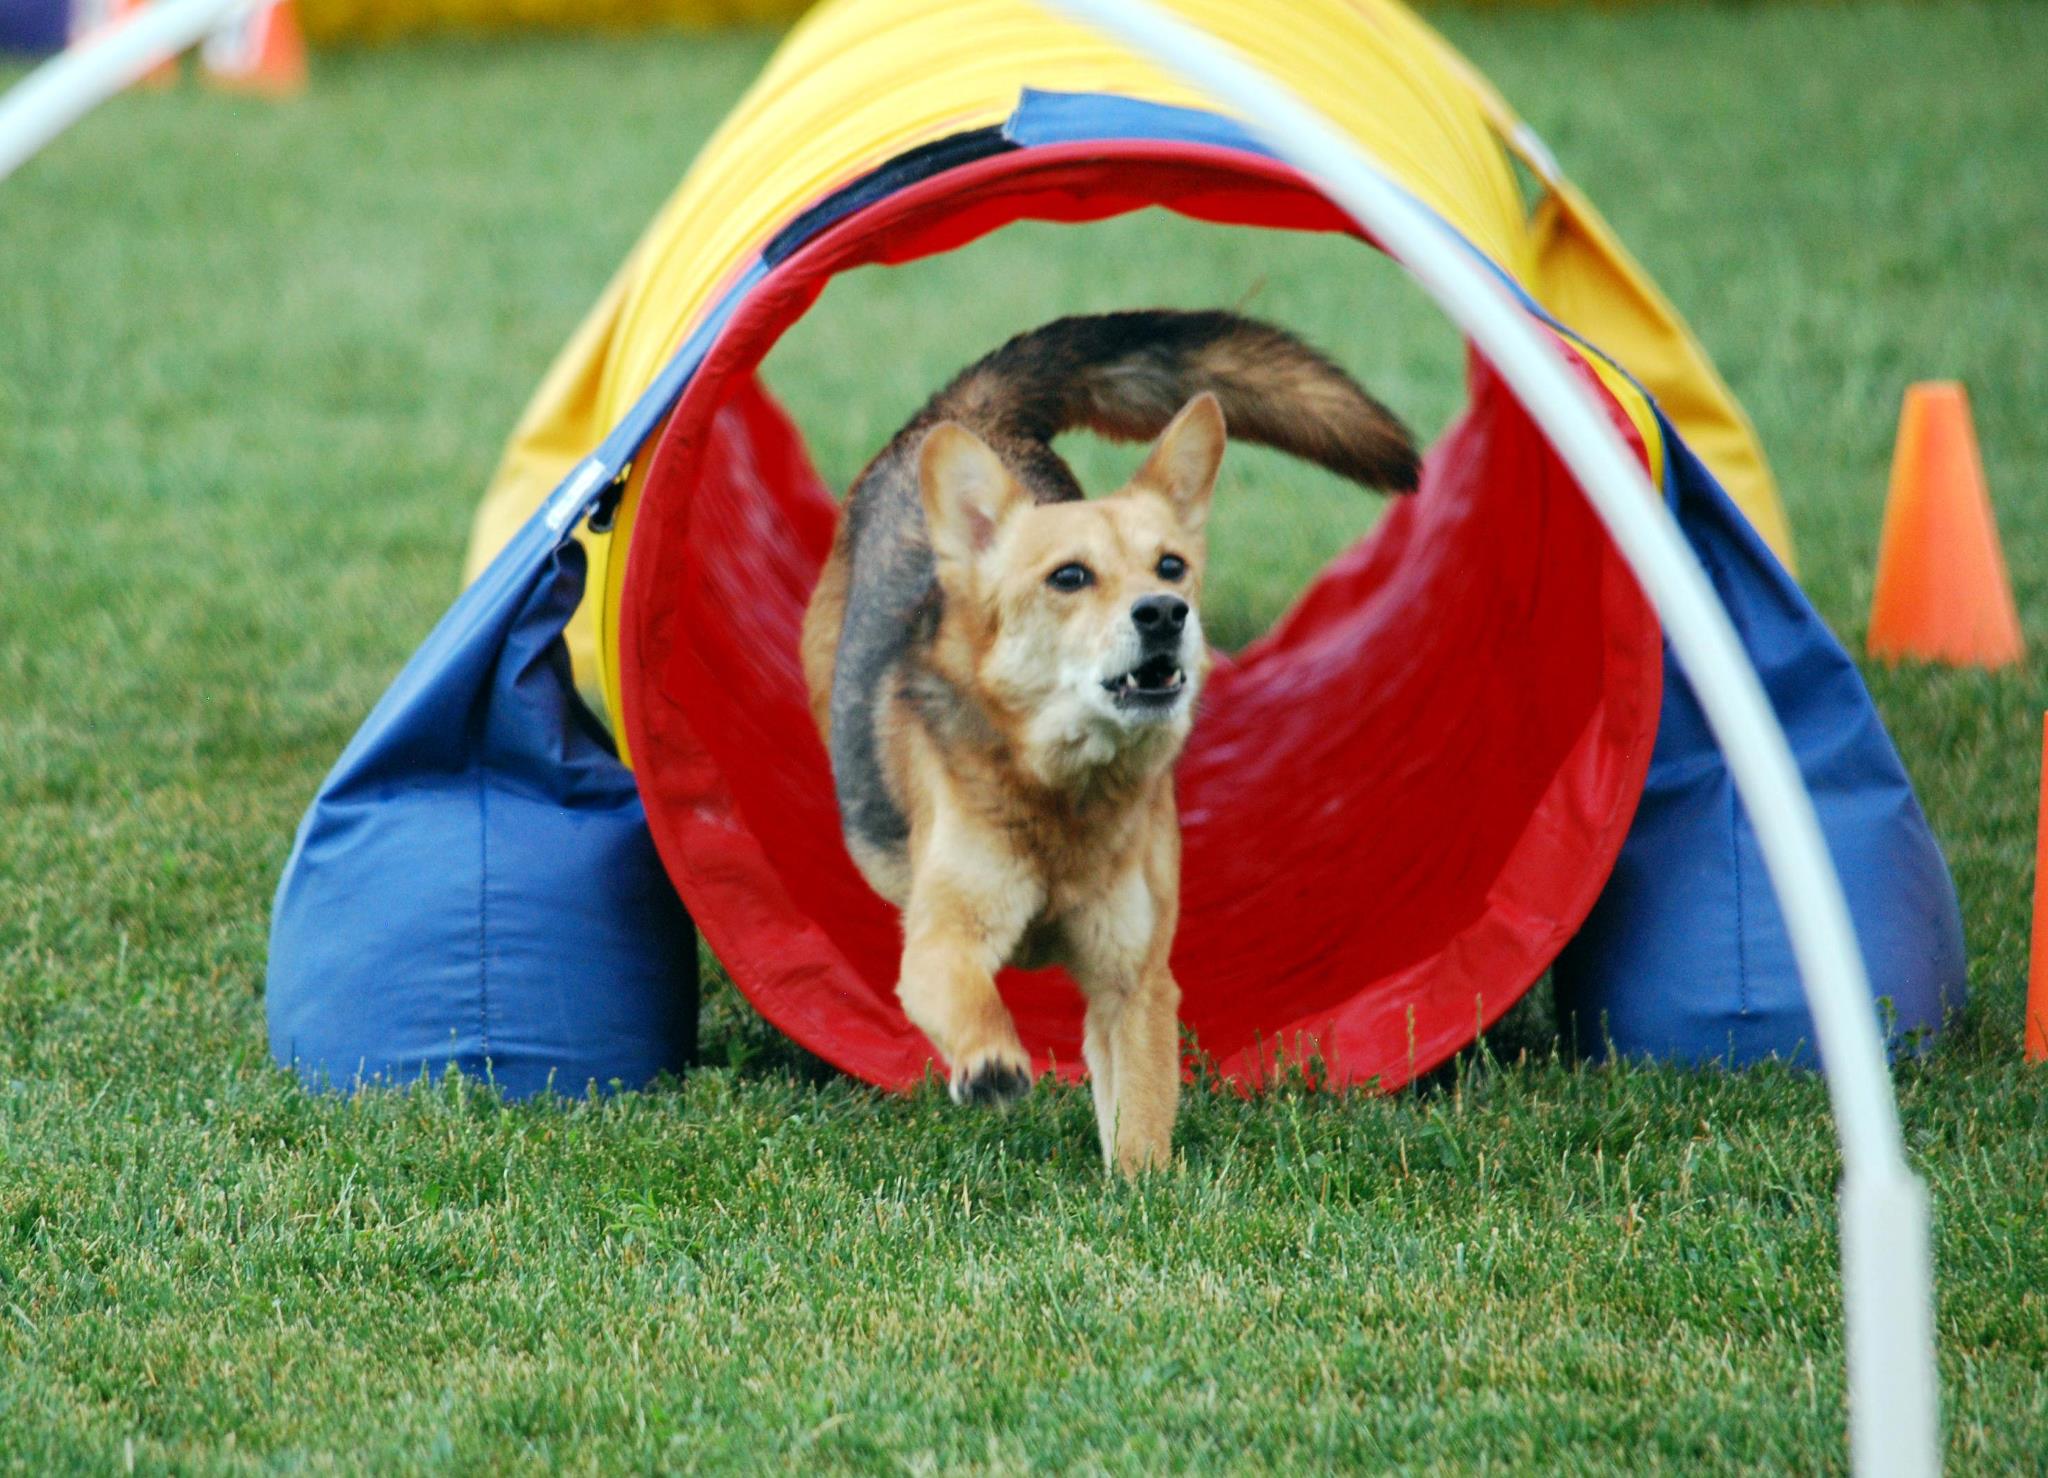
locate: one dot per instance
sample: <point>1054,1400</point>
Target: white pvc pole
<point>1887,1281</point>
<point>71,84</point>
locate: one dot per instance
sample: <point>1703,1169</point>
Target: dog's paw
<point>994,1077</point>
<point>1135,1157</point>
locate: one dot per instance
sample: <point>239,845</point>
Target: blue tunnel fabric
<point>1685,956</point>
<point>474,885</point>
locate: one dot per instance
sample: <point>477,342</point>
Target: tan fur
<point>1042,825</point>
<point>820,643</point>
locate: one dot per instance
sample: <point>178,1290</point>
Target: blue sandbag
<point>1685,956</point>
<point>475,885</point>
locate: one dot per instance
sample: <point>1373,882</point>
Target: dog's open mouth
<point>1153,683</point>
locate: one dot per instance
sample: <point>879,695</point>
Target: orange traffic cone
<point>92,18</point>
<point>1942,591</point>
<point>2037,962</point>
<point>263,52</point>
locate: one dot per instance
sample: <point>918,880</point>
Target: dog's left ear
<point>1184,461</point>
<point>966,492</point>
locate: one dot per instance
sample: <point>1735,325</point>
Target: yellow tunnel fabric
<point>858,82</point>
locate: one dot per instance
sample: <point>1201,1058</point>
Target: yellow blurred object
<point>859,82</point>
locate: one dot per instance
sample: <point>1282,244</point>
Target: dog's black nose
<point>1160,615</point>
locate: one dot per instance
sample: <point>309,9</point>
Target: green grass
<point>255,365</point>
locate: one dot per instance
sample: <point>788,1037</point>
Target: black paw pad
<point>993,1082</point>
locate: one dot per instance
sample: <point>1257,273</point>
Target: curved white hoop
<point>71,84</point>
<point>1887,1278</point>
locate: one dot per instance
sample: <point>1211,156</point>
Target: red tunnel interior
<point>1398,804</point>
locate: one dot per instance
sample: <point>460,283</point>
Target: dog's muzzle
<point>1158,678</point>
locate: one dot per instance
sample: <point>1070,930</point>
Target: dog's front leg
<point>1132,1046</point>
<point>1132,1038</point>
<point>960,926</point>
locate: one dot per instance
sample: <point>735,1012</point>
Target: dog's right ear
<point>1183,463</point>
<point>966,491</point>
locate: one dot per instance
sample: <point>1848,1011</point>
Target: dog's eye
<point>1171,567</point>
<point>1071,578</point>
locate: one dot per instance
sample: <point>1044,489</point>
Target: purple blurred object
<point>35,26</point>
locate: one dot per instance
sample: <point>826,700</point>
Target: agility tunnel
<point>1460,761</point>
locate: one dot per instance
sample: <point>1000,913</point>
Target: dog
<point>1003,672</point>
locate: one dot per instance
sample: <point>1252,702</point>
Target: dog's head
<point>1077,622</point>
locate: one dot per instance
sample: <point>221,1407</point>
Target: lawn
<point>255,366</point>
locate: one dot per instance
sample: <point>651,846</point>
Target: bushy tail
<point>1124,375</point>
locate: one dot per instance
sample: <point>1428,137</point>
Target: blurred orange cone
<point>2037,961</point>
<point>90,18</point>
<point>1942,591</point>
<point>263,52</point>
